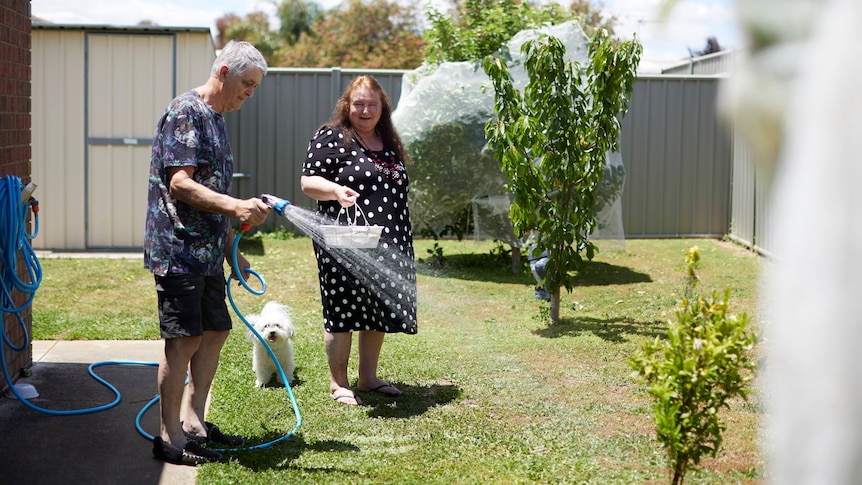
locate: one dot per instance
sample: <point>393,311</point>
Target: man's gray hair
<point>239,57</point>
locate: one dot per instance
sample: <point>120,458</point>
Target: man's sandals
<point>214,435</point>
<point>193,453</point>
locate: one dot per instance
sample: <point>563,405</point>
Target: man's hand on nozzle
<point>252,211</point>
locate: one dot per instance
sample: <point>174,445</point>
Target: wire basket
<point>351,235</point>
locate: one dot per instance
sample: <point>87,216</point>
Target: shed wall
<point>128,76</point>
<point>59,137</point>
<point>96,98</point>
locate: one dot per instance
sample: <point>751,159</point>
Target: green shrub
<point>703,364</point>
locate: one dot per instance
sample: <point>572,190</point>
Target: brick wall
<point>15,143</point>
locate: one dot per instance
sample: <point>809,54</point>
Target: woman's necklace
<point>365,144</point>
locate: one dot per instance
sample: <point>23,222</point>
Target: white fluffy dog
<point>276,327</point>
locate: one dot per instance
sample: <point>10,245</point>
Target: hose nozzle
<point>275,203</point>
<point>26,192</point>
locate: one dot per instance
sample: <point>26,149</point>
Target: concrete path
<point>96,448</point>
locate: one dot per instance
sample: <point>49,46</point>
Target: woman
<point>357,158</point>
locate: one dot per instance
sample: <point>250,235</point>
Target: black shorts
<point>191,304</point>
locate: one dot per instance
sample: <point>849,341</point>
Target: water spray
<point>366,252</point>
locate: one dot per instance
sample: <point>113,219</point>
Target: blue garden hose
<point>15,240</point>
<point>244,283</point>
<point>15,245</point>
<point>257,335</point>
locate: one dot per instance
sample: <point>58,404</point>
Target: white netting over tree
<point>455,179</point>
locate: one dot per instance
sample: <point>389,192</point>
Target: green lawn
<point>494,393</point>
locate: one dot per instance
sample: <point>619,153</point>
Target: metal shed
<point>723,62</point>
<point>97,92</point>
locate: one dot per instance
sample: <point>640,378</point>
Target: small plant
<point>702,365</point>
<point>500,252</point>
<point>544,316</point>
<point>280,234</point>
<point>436,260</point>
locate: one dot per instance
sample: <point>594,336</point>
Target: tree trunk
<point>554,312</point>
<point>679,470</point>
<point>516,260</point>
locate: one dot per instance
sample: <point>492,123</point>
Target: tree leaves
<point>367,34</point>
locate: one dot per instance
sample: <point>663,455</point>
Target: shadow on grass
<point>596,273</point>
<point>281,455</point>
<point>612,330</point>
<point>297,381</point>
<point>252,246</point>
<point>476,267</point>
<point>414,401</point>
<point>485,267</point>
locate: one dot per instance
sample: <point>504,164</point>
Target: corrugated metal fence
<point>750,221</point>
<point>677,157</point>
<point>677,154</point>
<point>750,214</point>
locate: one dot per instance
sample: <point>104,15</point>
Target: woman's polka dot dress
<point>357,295</point>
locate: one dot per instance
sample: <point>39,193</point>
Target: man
<point>187,237</point>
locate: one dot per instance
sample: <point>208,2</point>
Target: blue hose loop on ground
<point>75,412</point>
<point>71,412</point>
<point>243,282</point>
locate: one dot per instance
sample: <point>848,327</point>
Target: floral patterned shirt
<point>180,239</point>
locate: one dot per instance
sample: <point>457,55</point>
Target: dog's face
<point>274,331</point>
<point>273,324</point>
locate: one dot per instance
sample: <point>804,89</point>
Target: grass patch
<point>492,391</point>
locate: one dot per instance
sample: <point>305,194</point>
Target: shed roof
<point>39,24</point>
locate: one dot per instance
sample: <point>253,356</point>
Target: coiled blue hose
<point>15,242</point>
